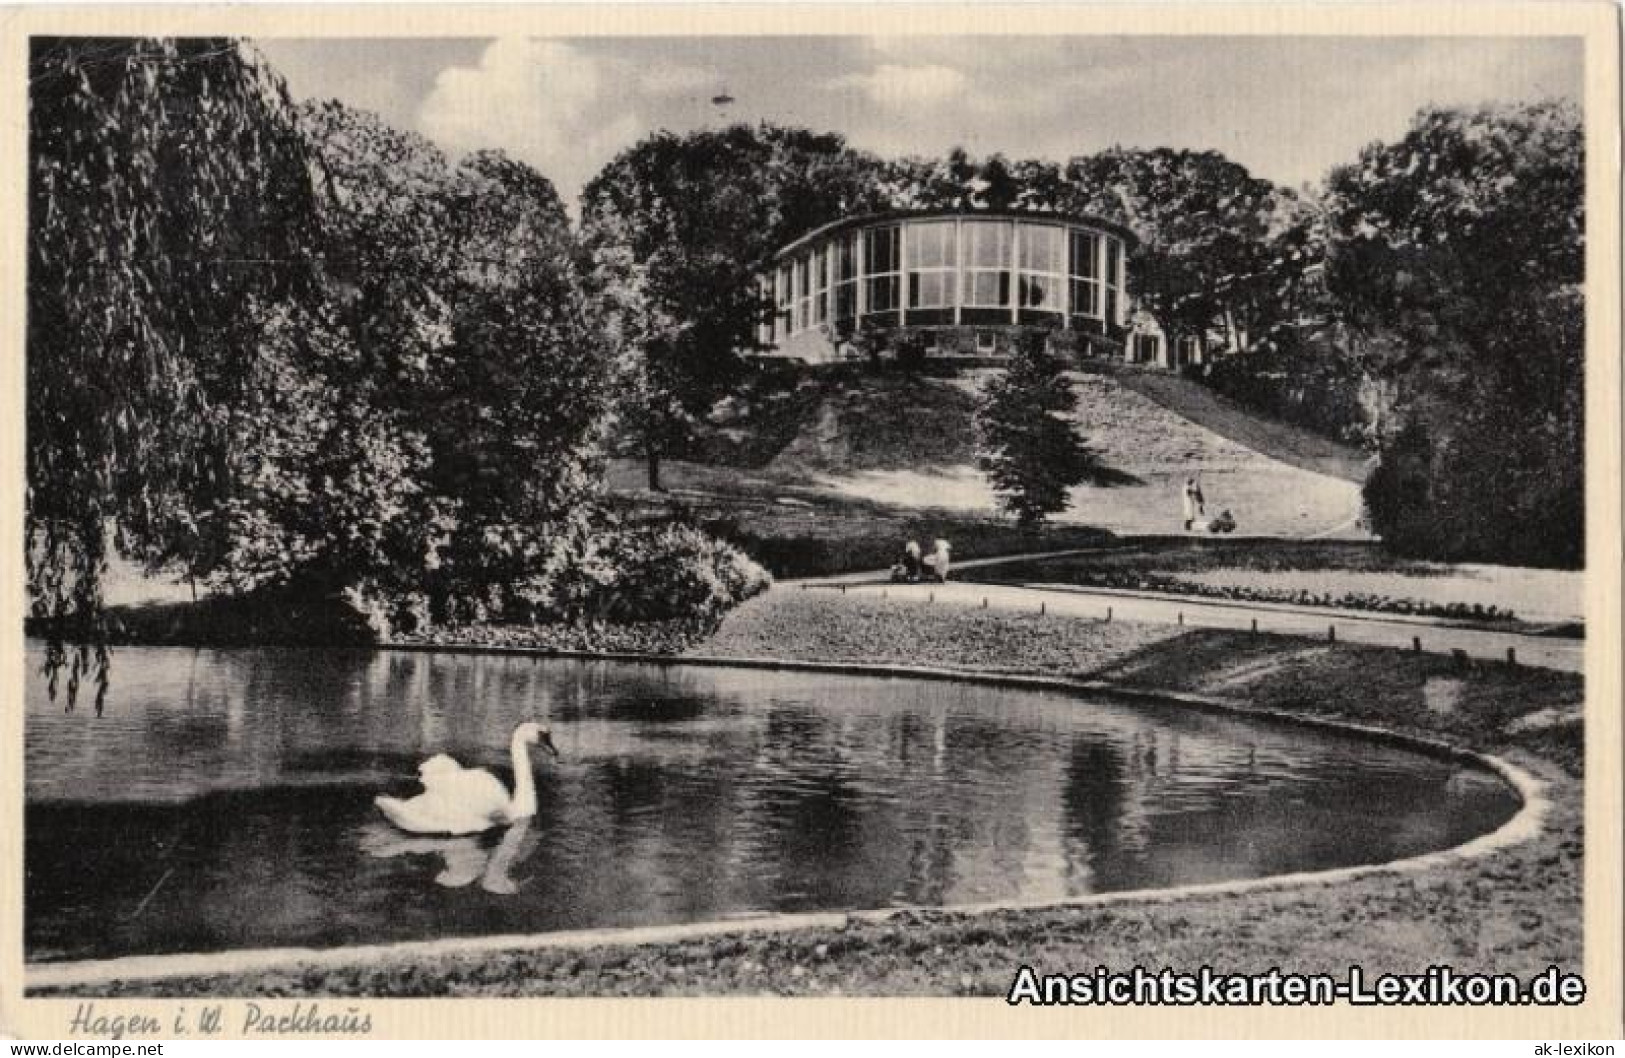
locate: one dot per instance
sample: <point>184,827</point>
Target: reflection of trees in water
<point>803,814</point>
<point>1092,809</point>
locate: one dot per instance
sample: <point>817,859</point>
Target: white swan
<point>459,800</point>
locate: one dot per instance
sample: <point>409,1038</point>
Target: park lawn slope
<point>839,440</point>
<point>1281,441</point>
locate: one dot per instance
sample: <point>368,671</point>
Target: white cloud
<point>550,104</point>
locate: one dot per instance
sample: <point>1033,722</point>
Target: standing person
<point>939,561</point>
<point>1189,500</point>
<point>911,560</point>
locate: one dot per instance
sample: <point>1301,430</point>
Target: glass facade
<point>952,270</point>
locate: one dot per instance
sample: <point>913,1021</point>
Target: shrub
<point>655,573</point>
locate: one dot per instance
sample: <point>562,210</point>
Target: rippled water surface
<point>224,800</point>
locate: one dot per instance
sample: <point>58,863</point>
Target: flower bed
<point>1348,600</point>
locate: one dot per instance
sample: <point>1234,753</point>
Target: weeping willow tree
<point>170,205</point>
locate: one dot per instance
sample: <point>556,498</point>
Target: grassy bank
<point>1514,910</point>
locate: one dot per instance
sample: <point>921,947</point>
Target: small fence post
<point>933,597</point>
<point>1512,657</point>
<point>984,602</point>
<point>1043,607</point>
<point>1331,633</point>
<point>843,589</point>
<point>1182,617</point>
<point>1416,644</point>
<point>1108,615</point>
<point>1255,626</point>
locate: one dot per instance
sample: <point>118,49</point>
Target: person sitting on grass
<point>938,561</point>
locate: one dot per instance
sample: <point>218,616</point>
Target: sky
<point>1288,108</point>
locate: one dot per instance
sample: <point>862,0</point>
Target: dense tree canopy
<point>679,227</point>
<point>477,384</point>
<point>1456,258</point>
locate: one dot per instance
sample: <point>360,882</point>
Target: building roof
<point>866,219</point>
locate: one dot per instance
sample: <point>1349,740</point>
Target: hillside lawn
<point>831,470</point>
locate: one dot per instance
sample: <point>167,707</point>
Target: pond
<point>224,800</point>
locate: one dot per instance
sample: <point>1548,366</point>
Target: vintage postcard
<point>679,520</point>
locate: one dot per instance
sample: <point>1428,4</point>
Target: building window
<point>987,263</point>
<point>1114,280</point>
<point>986,344</point>
<point>1084,270</point>
<point>1043,267</point>
<point>930,290</point>
<point>846,277</point>
<point>881,293</point>
<point>786,303</point>
<point>820,287</point>
<point>881,254</point>
<point>932,257</point>
<point>803,318</point>
<point>931,245</point>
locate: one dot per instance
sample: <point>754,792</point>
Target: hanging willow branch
<point>168,193</point>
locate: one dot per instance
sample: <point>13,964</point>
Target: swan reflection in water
<point>466,858</point>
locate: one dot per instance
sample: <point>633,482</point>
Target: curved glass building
<point>963,283</point>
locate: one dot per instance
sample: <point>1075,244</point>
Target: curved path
<point>1352,626</point>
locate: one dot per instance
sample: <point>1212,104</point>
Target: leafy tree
<point>1207,257</point>
<point>479,379</point>
<point>169,209</point>
<point>1032,452</point>
<point>1456,257</point>
<point>679,228</point>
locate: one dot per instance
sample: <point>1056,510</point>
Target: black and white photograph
<point>1073,516</point>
